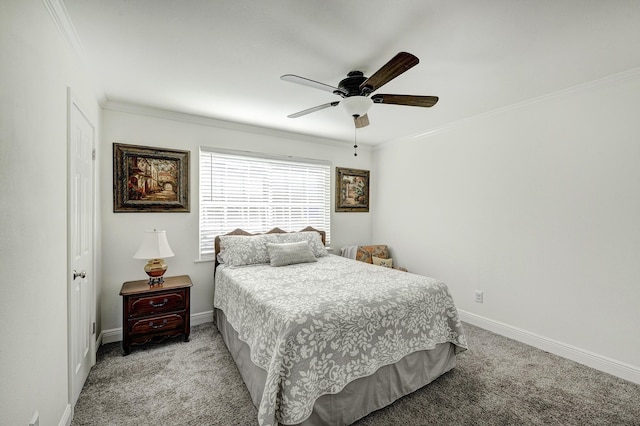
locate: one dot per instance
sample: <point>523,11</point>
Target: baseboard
<point>65,420</point>
<point>112,335</point>
<point>599,362</point>
<point>115,334</point>
<point>99,340</point>
<point>202,317</point>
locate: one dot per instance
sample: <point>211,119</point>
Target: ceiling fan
<point>356,88</point>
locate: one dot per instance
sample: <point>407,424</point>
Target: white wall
<point>122,232</point>
<point>536,205</point>
<point>36,68</point>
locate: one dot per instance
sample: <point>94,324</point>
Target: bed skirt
<point>358,398</point>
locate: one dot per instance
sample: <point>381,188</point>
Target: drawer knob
<point>164,322</point>
<point>158,305</point>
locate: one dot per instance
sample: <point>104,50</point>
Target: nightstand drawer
<point>158,303</point>
<point>157,324</point>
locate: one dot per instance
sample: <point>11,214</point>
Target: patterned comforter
<point>315,327</point>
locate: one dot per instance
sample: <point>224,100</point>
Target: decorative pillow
<point>238,250</point>
<point>290,253</point>
<point>387,263</point>
<point>365,253</point>
<point>312,237</point>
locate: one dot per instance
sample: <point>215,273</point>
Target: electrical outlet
<point>479,296</point>
<point>35,420</point>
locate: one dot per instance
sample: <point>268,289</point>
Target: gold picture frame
<point>147,179</point>
<point>352,190</point>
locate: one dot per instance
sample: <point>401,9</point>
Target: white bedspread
<point>315,327</point>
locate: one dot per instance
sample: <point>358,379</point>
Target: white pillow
<point>290,253</point>
<point>387,263</point>
<point>238,250</point>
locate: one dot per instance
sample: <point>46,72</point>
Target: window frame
<point>206,233</point>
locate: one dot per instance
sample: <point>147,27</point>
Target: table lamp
<point>154,248</point>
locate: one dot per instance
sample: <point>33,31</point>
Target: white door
<point>81,251</point>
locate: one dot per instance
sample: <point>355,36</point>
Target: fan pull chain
<point>355,140</point>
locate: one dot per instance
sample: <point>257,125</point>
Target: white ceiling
<point>223,58</point>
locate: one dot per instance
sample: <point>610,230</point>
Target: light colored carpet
<point>497,382</point>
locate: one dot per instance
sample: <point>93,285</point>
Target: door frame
<point>73,102</point>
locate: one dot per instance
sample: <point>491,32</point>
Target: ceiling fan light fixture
<point>356,105</point>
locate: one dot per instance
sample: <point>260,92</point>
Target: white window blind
<point>257,194</point>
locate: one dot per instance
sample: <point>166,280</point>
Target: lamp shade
<point>154,246</point>
<point>356,105</point>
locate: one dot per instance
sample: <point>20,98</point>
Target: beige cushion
<point>387,263</point>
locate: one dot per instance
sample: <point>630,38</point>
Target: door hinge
<point>93,327</point>
<point>93,154</point>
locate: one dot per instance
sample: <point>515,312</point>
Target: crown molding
<point>576,89</point>
<point>62,21</point>
<point>60,17</point>
<point>131,108</point>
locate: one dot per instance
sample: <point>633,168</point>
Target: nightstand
<point>151,314</point>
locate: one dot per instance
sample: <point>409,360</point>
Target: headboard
<point>323,236</point>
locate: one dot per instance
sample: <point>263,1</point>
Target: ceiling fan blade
<point>314,109</point>
<point>361,121</point>
<point>410,100</point>
<point>310,83</point>
<point>396,66</point>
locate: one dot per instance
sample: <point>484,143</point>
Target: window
<point>259,193</point>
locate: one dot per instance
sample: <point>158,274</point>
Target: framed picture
<point>147,179</point>
<point>352,190</point>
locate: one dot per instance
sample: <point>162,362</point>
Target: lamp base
<point>155,268</point>
<point>155,281</point>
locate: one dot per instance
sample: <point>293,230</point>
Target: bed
<point>321,339</point>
